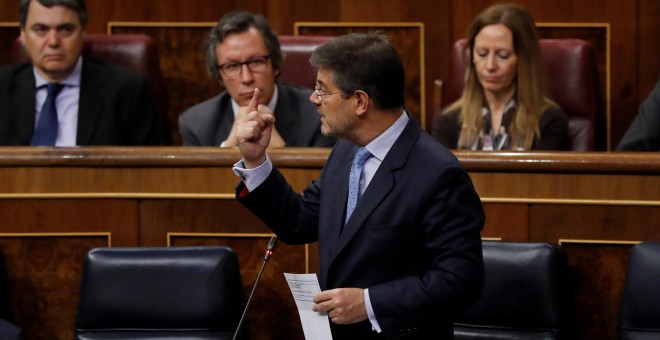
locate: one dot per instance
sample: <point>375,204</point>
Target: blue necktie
<point>361,156</point>
<point>46,131</point>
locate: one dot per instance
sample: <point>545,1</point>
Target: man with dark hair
<point>243,53</point>
<point>64,99</point>
<point>397,219</point>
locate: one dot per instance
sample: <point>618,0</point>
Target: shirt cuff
<point>252,178</point>
<point>370,312</point>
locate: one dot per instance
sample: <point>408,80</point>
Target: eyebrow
<point>57,27</point>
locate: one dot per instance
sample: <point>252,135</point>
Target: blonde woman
<point>505,105</point>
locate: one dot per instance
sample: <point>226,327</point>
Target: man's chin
<point>327,131</point>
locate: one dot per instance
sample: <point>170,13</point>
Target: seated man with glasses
<point>242,54</point>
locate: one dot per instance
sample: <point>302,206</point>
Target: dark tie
<point>361,156</point>
<point>46,131</point>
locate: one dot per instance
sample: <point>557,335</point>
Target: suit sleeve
<point>292,217</point>
<point>187,136</point>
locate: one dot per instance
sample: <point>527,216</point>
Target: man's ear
<point>361,102</point>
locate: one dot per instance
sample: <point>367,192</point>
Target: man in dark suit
<point>243,53</point>
<point>97,104</point>
<point>409,255</point>
<point>644,132</point>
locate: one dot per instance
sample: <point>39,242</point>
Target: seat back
<point>573,82</point>
<point>526,295</point>
<point>159,293</point>
<point>295,68</point>
<point>640,308</point>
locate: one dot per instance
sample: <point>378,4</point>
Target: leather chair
<point>159,293</point>
<point>573,82</point>
<point>526,295</point>
<point>137,52</point>
<point>296,68</point>
<point>640,308</point>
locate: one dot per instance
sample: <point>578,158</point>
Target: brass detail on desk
<point>95,234</point>
<point>491,238</point>
<point>570,201</point>
<point>563,242</point>
<point>116,24</point>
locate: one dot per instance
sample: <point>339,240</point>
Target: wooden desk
<point>57,203</point>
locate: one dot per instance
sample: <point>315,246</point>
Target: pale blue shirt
<point>67,104</point>
<point>378,148</point>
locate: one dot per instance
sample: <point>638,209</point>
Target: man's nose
<point>53,38</point>
<point>246,74</point>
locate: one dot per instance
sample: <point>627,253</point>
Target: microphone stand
<point>271,247</point>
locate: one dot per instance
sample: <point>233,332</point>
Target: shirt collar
<point>271,104</point>
<point>72,80</point>
<point>380,146</point>
<point>510,105</point>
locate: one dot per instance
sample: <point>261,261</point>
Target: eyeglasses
<point>234,68</point>
<point>320,94</point>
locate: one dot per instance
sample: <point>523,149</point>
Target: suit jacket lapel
<point>91,101</point>
<point>22,106</point>
<point>226,121</point>
<point>379,188</point>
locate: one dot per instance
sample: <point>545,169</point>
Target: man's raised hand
<point>253,133</point>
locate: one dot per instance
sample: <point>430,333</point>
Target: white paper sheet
<point>304,287</point>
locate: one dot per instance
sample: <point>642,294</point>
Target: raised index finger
<point>254,103</point>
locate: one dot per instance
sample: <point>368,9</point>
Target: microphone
<point>269,251</point>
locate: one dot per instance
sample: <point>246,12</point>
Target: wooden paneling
<point>506,222</point>
<point>44,278</point>
<point>182,64</point>
<point>634,26</point>
<point>180,196</point>
<point>598,272</point>
<point>648,63</point>
<point>8,33</point>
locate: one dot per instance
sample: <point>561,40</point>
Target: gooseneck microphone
<point>269,251</point>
